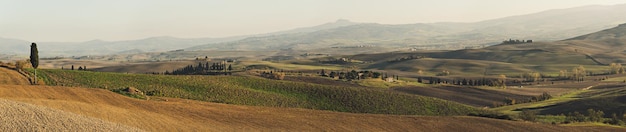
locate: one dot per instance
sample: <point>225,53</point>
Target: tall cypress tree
<point>34,59</point>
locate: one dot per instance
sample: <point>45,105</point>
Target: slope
<point>28,117</point>
<point>8,76</point>
<point>604,47</point>
<point>188,115</point>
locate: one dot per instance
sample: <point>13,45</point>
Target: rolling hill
<point>188,115</point>
<point>28,107</point>
<point>248,90</point>
<point>549,25</point>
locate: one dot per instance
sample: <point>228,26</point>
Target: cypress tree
<point>34,59</point>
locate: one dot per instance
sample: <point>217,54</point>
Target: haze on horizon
<point>79,20</point>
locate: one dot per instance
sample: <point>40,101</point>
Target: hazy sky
<point>83,20</point>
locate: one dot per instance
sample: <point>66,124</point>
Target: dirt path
<point>11,77</point>
<point>188,115</point>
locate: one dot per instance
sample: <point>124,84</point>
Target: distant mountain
<point>543,26</point>
<point>555,24</point>
<point>13,46</point>
<point>100,47</point>
<point>153,44</point>
<point>549,25</point>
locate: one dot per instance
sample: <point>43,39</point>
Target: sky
<point>114,20</point>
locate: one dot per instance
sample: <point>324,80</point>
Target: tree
<point>532,76</point>
<point>34,59</point>
<point>501,82</point>
<point>579,73</point>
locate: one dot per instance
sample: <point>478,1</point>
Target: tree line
<point>203,69</point>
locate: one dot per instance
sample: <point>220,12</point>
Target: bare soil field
<point>466,95</point>
<point>9,76</point>
<point>187,115</point>
<point>28,117</point>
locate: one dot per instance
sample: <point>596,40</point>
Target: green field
<point>256,91</point>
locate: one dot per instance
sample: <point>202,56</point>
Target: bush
<point>278,76</point>
<point>528,115</point>
<point>615,120</point>
<point>130,92</point>
<point>575,117</point>
<point>510,101</point>
<point>19,65</point>
<point>595,116</point>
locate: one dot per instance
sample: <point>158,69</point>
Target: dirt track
<point>187,115</point>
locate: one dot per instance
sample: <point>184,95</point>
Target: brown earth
<point>188,115</point>
<point>9,76</point>
<point>466,95</point>
<point>28,117</point>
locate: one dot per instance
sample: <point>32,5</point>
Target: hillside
<point>609,100</point>
<point>28,117</point>
<point>187,115</point>
<point>9,76</point>
<point>606,46</point>
<point>248,90</point>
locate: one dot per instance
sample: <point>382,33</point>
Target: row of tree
<point>203,69</point>
<point>511,41</point>
<point>80,68</point>
<point>353,75</point>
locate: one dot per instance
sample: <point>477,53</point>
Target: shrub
<point>595,116</point>
<point>615,120</point>
<point>510,101</point>
<point>19,65</point>
<point>575,117</point>
<point>528,115</point>
<point>278,76</point>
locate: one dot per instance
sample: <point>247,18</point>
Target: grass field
<point>514,109</point>
<point>246,90</point>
